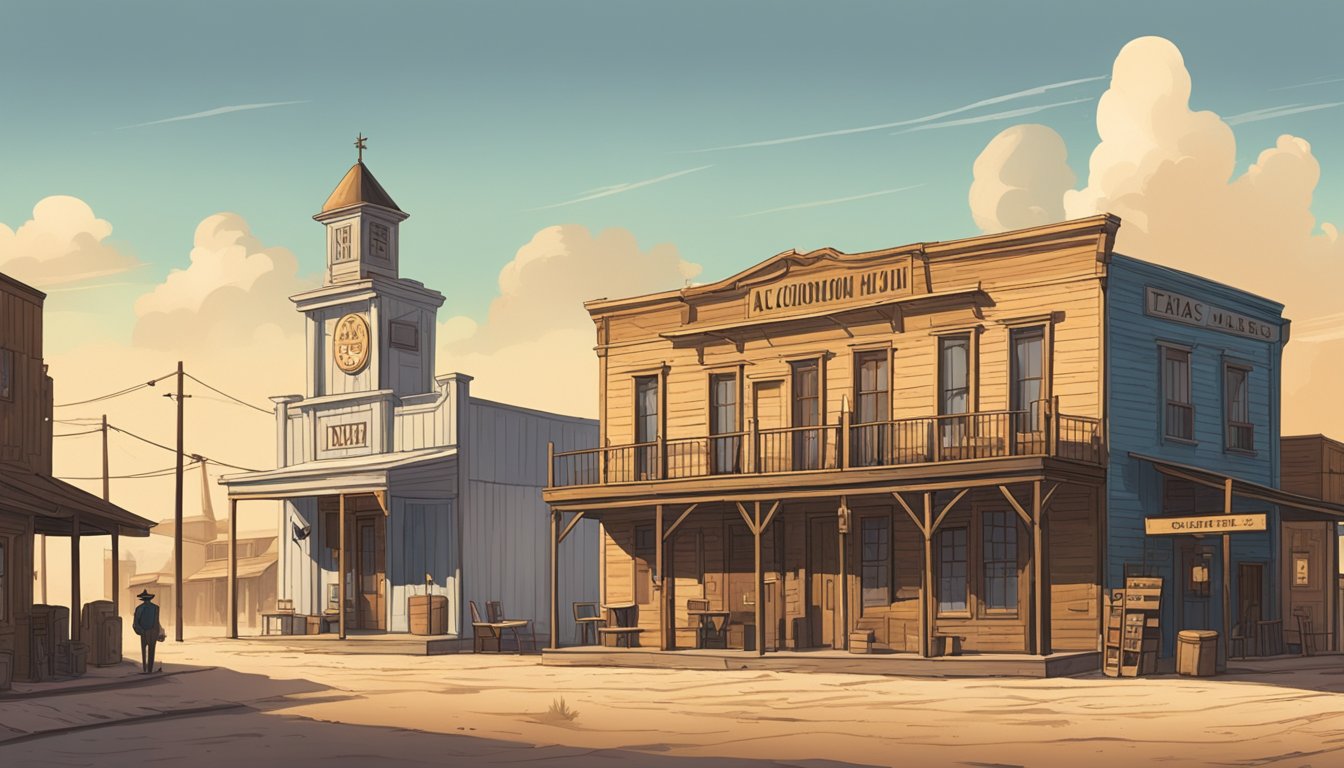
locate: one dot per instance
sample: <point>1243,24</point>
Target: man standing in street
<point>146,625</point>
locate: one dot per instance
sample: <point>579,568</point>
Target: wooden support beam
<point>1042,640</point>
<point>555,575</point>
<point>760,586</point>
<point>1227,576</point>
<point>1022,513</point>
<point>381,498</point>
<point>770,516</point>
<point>659,578</point>
<point>1049,495</point>
<point>74,577</point>
<point>677,523</point>
<point>573,521</point>
<point>926,597</point>
<point>340,578</point>
<point>842,522</point>
<point>233,569</point>
<point>947,509</point>
<point>116,571</point>
<point>746,517</point>
<point>914,518</point>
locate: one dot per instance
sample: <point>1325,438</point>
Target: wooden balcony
<point>929,440</point>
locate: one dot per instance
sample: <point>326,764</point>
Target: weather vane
<point>361,144</point>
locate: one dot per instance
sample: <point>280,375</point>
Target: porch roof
<point>54,503</point>
<point>248,567</point>
<point>352,474</point>
<point>1244,488</point>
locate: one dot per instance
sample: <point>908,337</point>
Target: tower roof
<point>359,187</point>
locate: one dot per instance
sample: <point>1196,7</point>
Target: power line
<point>77,434</point>
<point>135,476</point>
<point>231,397</point>
<point>111,395</point>
<point>193,456</point>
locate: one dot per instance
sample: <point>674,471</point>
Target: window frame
<point>717,436</point>
<point>1165,351</point>
<point>885,560</point>
<point>983,601</point>
<point>1230,427</point>
<point>1034,418</point>
<point>963,612</point>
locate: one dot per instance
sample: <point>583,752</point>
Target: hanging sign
<point>1176,526</point>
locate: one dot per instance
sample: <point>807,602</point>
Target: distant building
<point>37,641</point>
<point>435,490</point>
<point>1313,465</point>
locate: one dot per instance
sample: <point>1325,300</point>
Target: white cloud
<point>232,288</point>
<point>538,323</point>
<point>1169,172</point>
<point>63,243</point>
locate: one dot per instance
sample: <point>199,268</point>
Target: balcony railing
<point>1040,431</point>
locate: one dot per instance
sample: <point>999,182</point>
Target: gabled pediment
<point>792,264</point>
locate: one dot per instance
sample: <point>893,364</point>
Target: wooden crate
<point>431,619</point>
<point>861,641</point>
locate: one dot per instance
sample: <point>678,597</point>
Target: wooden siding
<point>25,433</point>
<point>505,523</point>
<point>1134,390</point>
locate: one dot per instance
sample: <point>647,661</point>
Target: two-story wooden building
<point>32,502</point>
<point>910,447</point>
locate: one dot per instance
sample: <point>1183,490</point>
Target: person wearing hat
<point>146,625</point>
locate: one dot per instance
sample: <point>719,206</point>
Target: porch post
<point>233,569</point>
<point>1227,575</point>
<point>659,584</point>
<point>116,570</point>
<point>555,579</point>
<point>926,593</point>
<point>1042,642</point>
<point>340,579</point>
<point>760,585</point>
<point>74,577</point>
<point>842,524</point>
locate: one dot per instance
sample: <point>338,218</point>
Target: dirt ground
<point>251,703</point>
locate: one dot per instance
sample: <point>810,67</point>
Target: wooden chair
<point>586,618</point>
<point>622,626</point>
<point>488,634</point>
<point>1306,633</point>
<point>494,612</point>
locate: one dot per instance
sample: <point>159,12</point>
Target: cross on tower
<point>361,145</point>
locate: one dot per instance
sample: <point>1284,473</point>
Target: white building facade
<point>439,492</point>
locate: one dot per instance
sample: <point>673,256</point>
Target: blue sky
<point>484,115</point>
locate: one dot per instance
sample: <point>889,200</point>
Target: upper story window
<point>6,374</point>
<point>872,387</point>
<point>806,413</point>
<point>1237,398</point>
<point>954,374</point>
<point>647,463</point>
<point>1179,411</point>
<point>1028,377</point>
<point>725,435</point>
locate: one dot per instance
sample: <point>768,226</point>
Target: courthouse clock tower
<point>370,331</point>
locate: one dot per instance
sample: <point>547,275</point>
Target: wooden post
<point>233,569</point>
<point>74,577</point>
<point>550,464</point>
<point>760,586</point>
<point>116,571</point>
<point>1227,575</point>
<point>1042,643</point>
<point>842,524</point>
<point>846,446</point>
<point>340,579</point>
<point>555,579</point>
<point>177,519</point>
<point>926,594</point>
<point>1053,434</point>
<point>664,625</point>
<point>754,451</point>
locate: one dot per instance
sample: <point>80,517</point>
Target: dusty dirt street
<point>253,704</point>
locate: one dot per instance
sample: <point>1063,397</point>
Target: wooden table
<point>714,621</point>
<point>620,623</point>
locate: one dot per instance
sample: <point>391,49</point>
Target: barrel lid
<point>1196,634</point>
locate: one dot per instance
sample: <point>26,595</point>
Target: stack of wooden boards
<point>1133,633</point>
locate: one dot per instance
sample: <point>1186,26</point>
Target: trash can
<point>1196,652</point>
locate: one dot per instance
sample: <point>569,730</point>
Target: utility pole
<point>177,518</point>
<point>116,537</point>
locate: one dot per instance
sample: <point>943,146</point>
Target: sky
<point>163,160</point>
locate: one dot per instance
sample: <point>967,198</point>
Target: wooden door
<point>768,409</point>
<point>741,597</point>
<point>1250,596</point>
<point>369,572</point>
<point>1196,584</point>
<point>823,592</point>
<point>1307,580</point>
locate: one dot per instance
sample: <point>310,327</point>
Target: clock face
<point>350,347</point>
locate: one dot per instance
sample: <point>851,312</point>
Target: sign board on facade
<point>354,435</point>
<point>1175,526</point>
<point>790,297</point>
<point>1162,303</point>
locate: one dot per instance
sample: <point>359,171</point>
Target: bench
<point>631,635</point>
<point>945,644</point>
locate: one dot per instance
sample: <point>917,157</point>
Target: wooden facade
<point>906,442</point>
<point>1312,465</point>
<point>32,502</point>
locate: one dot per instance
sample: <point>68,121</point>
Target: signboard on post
<point>1216,524</point>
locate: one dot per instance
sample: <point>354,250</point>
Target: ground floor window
<point>952,570</point>
<point>1000,560</point>
<point>875,577</point>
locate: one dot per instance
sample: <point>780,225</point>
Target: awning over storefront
<point>353,474</point>
<point>1305,507</point>
<point>55,503</point>
<point>248,567</point>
